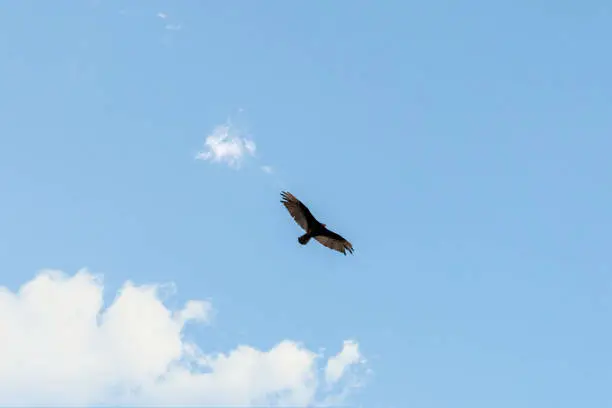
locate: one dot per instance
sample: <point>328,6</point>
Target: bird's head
<point>323,225</point>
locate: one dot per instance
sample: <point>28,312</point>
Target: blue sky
<point>464,150</point>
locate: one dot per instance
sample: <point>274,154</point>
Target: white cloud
<point>162,15</point>
<point>337,365</point>
<point>226,144</point>
<point>267,169</point>
<point>60,346</point>
<point>173,27</point>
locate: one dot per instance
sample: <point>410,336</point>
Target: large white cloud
<point>59,345</point>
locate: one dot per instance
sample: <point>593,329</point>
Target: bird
<point>314,229</point>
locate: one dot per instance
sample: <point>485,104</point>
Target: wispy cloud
<point>267,169</point>
<point>59,339</point>
<point>162,15</point>
<point>228,145</point>
<point>337,365</point>
<point>174,27</point>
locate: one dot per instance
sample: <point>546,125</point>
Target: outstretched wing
<point>300,213</point>
<point>334,241</point>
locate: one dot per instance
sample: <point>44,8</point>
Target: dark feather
<point>334,241</point>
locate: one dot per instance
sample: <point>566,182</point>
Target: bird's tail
<point>304,239</point>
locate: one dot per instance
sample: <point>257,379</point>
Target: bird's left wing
<point>300,213</point>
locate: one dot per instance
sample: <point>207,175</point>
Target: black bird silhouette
<point>314,229</point>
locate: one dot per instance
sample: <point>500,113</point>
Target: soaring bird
<point>314,229</point>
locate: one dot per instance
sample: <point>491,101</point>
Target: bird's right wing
<point>298,211</point>
<point>334,241</point>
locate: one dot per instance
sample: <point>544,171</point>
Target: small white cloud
<point>249,145</point>
<point>162,15</point>
<point>195,310</point>
<point>227,145</point>
<point>173,27</point>
<point>267,169</point>
<point>58,339</point>
<point>337,365</point>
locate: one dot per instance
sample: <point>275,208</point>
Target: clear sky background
<point>464,148</point>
